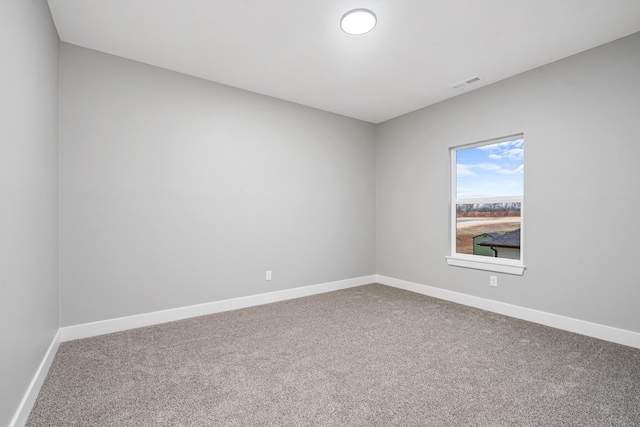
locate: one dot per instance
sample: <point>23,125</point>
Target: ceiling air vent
<point>466,82</point>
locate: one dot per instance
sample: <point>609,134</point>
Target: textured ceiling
<point>295,50</point>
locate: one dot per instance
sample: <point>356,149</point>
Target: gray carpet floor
<point>366,356</point>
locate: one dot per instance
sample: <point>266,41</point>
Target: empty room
<point>285,212</point>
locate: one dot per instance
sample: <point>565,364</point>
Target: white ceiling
<point>295,49</point>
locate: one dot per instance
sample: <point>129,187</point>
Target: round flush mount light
<point>358,21</point>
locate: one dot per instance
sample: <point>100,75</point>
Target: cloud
<point>464,170</point>
<point>467,170</point>
<point>512,150</point>
<point>487,166</point>
<point>514,154</point>
<point>519,169</point>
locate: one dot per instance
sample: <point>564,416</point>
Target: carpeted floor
<point>366,356</point>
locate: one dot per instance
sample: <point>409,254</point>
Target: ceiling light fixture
<point>358,21</point>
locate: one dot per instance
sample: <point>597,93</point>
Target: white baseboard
<point>147,319</point>
<point>29,399</point>
<point>607,333</point>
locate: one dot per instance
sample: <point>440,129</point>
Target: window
<point>487,188</point>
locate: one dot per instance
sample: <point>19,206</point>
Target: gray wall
<point>28,195</point>
<point>178,191</point>
<point>581,121</point>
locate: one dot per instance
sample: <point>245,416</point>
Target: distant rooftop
<point>506,240</point>
<point>488,234</point>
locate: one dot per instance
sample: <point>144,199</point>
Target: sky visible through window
<point>494,170</point>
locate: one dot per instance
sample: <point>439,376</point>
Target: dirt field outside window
<point>467,228</point>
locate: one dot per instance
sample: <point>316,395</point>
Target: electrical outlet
<point>268,275</point>
<point>493,281</point>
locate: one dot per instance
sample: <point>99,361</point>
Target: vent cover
<point>470,80</point>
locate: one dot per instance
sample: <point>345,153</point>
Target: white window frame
<point>478,262</point>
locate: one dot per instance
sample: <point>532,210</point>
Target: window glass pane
<point>494,170</point>
<point>489,229</point>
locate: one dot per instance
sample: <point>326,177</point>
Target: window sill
<point>489,264</point>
